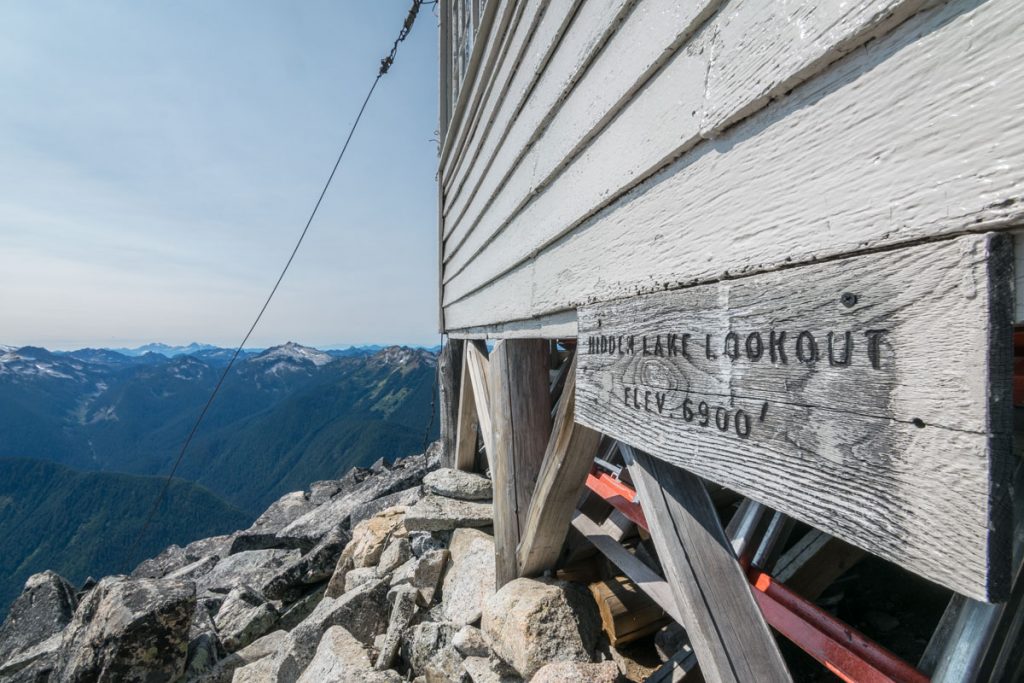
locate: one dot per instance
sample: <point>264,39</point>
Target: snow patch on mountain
<point>290,357</point>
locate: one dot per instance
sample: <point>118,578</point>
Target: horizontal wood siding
<point>629,146</point>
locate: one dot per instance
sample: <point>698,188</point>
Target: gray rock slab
<point>341,657</point>
<point>313,567</point>
<point>322,491</point>
<point>271,645</point>
<point>427,647</point>
<point>403,609</point>
<point>531,623</point>
<point>493,670</point>
<point>252,567</point>
<point>301,608</point>
<point>366,510</point>
<point>470,642</point>
<point>397,552</point>
<point>335,512</point>
<point>128,629</point>
<point>174,557</point>
<point>437,513</point>
<point>559,672</point>
<point>453,483</point>
<point>471,578</point>
<point>244,616</point>
<point>362,611</point>
<point>45,606</point>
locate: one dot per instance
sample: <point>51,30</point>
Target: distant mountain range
<point>210,351</point>
<point>285,417</point>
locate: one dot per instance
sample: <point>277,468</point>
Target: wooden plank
<point>815,562</point>
<point>618,526</point>
<point>722,620</point>
<point>635,41</point>
<point>499,37</point>
<point>584,29</point>
<point>560,325</point>
<point>830,409</point>
<point>549,24</point>
<point>522,424</point>
<point>450,370</point>
<point>627,613</point>
<point>476,70</point>
<point>467,430</point>
<point>567,460</point>
<point>974,640</point>
<point>523,27</point>
<point>777,204</point>
<point>735,65</point>
<point>638,572</point>
<point>558,383</point>
<point>772,544</point>
<point>478,366</point>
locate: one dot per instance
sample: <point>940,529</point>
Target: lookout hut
<point>742,272</point>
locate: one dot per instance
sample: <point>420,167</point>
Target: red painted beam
<point>840,648</point>
<point>618,495</point>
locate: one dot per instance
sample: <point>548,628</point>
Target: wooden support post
<point>466,423</point>
<point>563,473</point>
<point>721,617</point>
<point>449,368</point>
<point>561,376</point>
<point>478,368</point>
<point>521,423</point>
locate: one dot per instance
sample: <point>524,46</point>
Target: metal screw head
<point>848,299</point>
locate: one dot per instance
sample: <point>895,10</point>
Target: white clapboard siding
<point>582,38</point>
<point>893,143</point>
<point>729,70</point>
<point>546,28</point>
<point>476,72</point>
<point>647,38</point>
<point>500,39</point>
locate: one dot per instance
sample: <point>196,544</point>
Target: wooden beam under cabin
<point>450,363</point>
<point>563,474</point>
<point>814,562</point>
<point>466,422</point>
<point>723,621</point>
<point>521,423</point>
<point>478,366</point>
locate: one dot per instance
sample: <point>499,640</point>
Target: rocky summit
<point>384,575</point>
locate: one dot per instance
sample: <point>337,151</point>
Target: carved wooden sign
<point>869,397</point>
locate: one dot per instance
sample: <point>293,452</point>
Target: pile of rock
<point>384,575</point>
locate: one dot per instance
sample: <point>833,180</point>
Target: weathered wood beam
<point>814,562</point>
<point>627,613</point>
<point>478,366</point>
<point>561,376</point>
<point>521,423</point>
<point>618,525</point>
<point>464,455</point>
<point>721,617</point>
<point>450,364</point>
<point>563,474</point>
<point>638,572</point>
<point>780,377</point>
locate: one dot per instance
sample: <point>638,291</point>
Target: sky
<point>158,160</point>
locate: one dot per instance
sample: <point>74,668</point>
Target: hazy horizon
<point>248,347</point>
<point>157,163</point>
